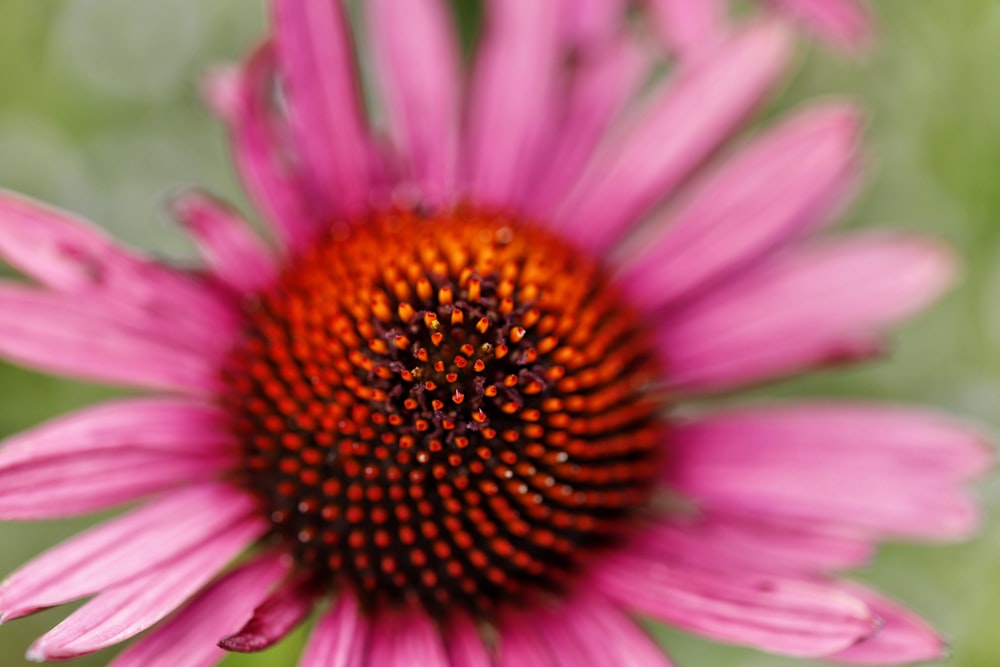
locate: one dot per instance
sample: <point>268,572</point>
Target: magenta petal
<point>814,305</point>
<point>844,23</point>
<point>774,613</point>
<point>665,142</point>
<point>518,53</point>
<point>233,252</point>
<point>464,643</point>
<point>324,104</point>
<point>125,610</point>
<point>781,186</point>
<point>521,645</point>
<point>902,638</point>
<point>418,66</point>
<point>889,470</point>
<point>689,27</point>
<point>605,634</point>
<point>404,638</point>
<point>340,639</point>
<point>189,637</point>
<point>283,611</point>
<point>120,549</point>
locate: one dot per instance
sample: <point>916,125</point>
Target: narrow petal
<point>234,253</point>
<point>640,165</point>
<point>512,89</point>
<point>889,470</point>
<point>781,186</point>
<point>522,645</point>
<point>815,305</point>
<point>272,620</point>
<point>418,67</point>
<point>843,23</point>
<point>688,27</point>
<point>773,613</point>
<point>88,338</point>
<point>241,96</point>
<point>315,55</point>
<point>189,638</point>
<point>340,639</point>
<point>118,550</point>
<point>605,634</point>
<point>121,612</point>
<point>902,638</point>
<point>465,644</point>
<point>405,638</point>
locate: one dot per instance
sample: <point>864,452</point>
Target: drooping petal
<point>781,186</point>
<point>315,57</point>
<point>819,304</point>
<point>465,644</point>
<point>660,147</point>
<point>774,613</point>
<point>511,90</point>
<point>843,23</point>
<point>189,638</point>
<point>902,638</point>
<point>889,470</point>
<point>688,27</point>
<point>404,638</point>
<point>273,618</point>
<point>118,550</point>
<point>128,608</point>
<point>340,639</point>
<point>418,66</point>
<point>235,255</point>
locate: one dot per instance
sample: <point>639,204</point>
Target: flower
<point>445,409</point>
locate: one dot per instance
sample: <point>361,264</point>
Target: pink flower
<point>444,407</point>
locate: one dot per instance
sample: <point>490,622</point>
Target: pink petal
<point>233,252</point>
<point>903,638</point>
<point>406,638</point>
<point>125,610</point>
<point>80,336</point>
<point>512,89</point>
<point>666,141</point>
<point>242,98</point>
<point>340,639</point>
<point>522,645</point>
<point>781,186</point>
<point>189,638</point>
<point>272,620</point>
<point>844,23</point>
<point>325,109</point>
<point>814,305</point>
<point>418,66</point>
<point>688,27</point>
<point>118,550</point>
<point>605,634</point>
<point>465,644</point>
<point>588,23</point>
<point>888,470</point>
<point>773,613</point>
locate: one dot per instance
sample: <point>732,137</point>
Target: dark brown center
<point>445,410</point>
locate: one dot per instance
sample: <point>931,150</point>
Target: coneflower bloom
<point>444,409</point>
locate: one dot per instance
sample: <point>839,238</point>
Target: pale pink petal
<point>654,152</point>
<point>316,59</point>
<point>781,186</point>
<point>405,638</point>
<point>242,97</point>
<point>819,304</point>
<point>889,470</point>
<point>512,89</point>
<point>235,255</point>
<point>78,336</point>
<point>844,23</point>
<point>120,549</point>
<point>465,644</point>
<point>688,27</point>
<point>125,610</point>
<point>274,618</point>
<point>902,638</point>
<point>606,635</point>
<point>418,67</point>
<point>774,613</point>
<point>340,639</point>
<point>189,638</point>
<point>521,645</point>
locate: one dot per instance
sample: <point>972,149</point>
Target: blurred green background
<point>99,113</point>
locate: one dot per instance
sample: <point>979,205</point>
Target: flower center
<point>445,410</point>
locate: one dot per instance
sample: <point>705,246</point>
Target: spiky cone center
<point>445,410</point>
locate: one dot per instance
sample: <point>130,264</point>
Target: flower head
<point>444,410</point>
